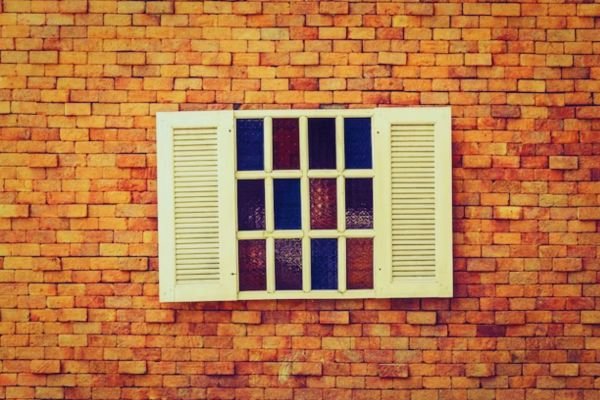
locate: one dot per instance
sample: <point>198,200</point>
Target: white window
<point>304,204</point>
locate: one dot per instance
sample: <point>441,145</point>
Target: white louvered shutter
<point>196,206</point>
<point>413,179</point>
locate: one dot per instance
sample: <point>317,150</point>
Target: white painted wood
<point>196,208</point>
<point>414,227</point>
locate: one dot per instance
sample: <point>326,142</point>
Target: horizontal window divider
<point>248,235</point>
<point>351,113</point>
<point>348,173</point>
<point>313,234</point>
<point>313,294</point>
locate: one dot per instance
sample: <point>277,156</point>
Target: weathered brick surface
<point>80,82</point>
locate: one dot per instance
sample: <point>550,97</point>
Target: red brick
<point>393,370</point>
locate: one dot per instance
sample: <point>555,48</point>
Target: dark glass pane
<point>321,143</point>
<point>253,264</point>
<point>287,203</point>
<point>286,154</point>
<point>359,203</point>
<point>251,205</point>
<point>288,264</point>
<point>359,263</point>
<point>250,148</point>
<point>357,143</point>
<point>323,259</point>
<point>323,204</point>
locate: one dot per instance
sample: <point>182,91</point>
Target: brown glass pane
<point>323,204</point>
<point>359,263</point>
<point>288,264</point>
<point>253,264</point>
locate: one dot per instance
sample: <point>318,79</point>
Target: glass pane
<point>250,149</point>
<point>323,259</point>
<point>286,154</point>
<point>323,204</point>
<point>251,205</point>
<point>359,263</point>
<point>357,143</point>
<point>288,264</point>
<point>287,203</point>
<point>253,264</point>
<point>359,203</point>
<point>321,143</point>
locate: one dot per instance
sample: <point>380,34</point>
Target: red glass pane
<point>286,154</point>
<point>252,260</point>
<point>359,263</point>
<point>323,204</point>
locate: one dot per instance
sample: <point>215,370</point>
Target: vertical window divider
<point>305,203</point>
<point>269,204</point>
<point>341,202</point>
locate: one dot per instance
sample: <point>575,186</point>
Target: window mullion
<point>305,203</point>
<point>341,202</point>
<point>269,204</point>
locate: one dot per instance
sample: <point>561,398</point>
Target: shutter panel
<point>196,209</point>
<point>413,167</point>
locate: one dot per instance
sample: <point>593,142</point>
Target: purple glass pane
<point>251,205</point>
<point>253,264</point>
<point>323,204</point>
<point>321,143</point>
<point>288,264</point>
<point>359,263</point>
<point>286,154</point>
<point>359,203</point>
<point>323,261</point>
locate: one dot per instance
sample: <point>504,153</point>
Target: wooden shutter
<point>196,206</point>
<point>413,253</point>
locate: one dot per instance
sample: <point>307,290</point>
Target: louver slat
<point>413,194</point>
<point>196,217</point>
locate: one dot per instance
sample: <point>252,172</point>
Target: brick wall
<point>80,82</point>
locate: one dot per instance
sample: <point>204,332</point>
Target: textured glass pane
<point>253,264</point>
<point>357,143</point>
<point>359,203</point>
<point>250,149</point>
<point>251,205</point>
<point>286,154</point>
<point>323,204</point>
<point>288,264</point>
<point>359,263</point>
<point>321,143</point>
<point>287,203</point>
<point>323,260</point>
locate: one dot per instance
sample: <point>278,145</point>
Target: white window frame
<point>385,284</point>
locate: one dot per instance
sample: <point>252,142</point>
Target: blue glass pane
<point>250,148</point>
<point>359,203</point>
<point>287,203</point>
<point>323,259</point>
<point>357,143</point>
<point>321,143</point>
<point>251,205</point>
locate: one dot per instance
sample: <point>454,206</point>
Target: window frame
<point>340,174</point>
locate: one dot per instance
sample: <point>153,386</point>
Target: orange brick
<point>509,212</point>
<point>45,366</point>
<point>421,318</point>
<point>132,367</point>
